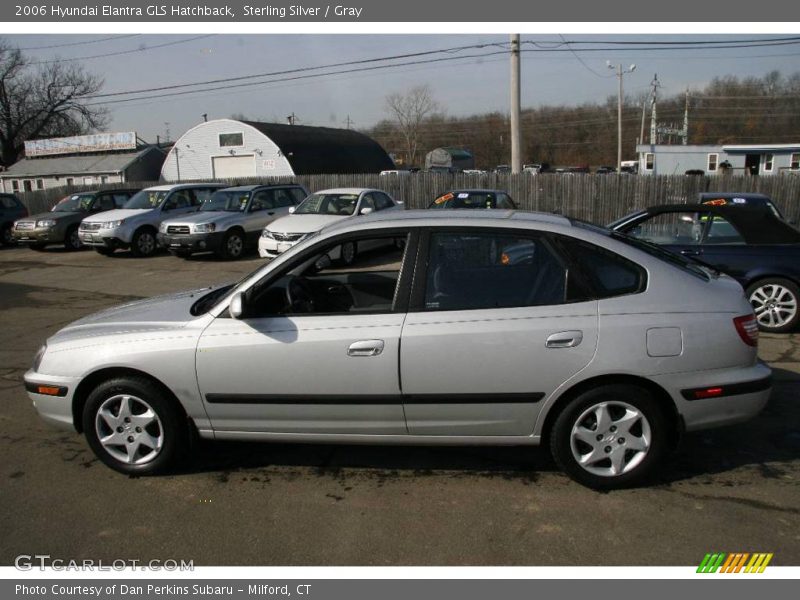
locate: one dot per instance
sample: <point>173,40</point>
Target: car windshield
<point>328,204</point>
<point>228,201</point>
<point>76,203</point>
<point>652,249</point>
<point>147,199</point>
<point>464,200</point>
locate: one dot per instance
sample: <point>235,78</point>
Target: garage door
<point>229,167</point>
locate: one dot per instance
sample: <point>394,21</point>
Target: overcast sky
<point>463,87</point>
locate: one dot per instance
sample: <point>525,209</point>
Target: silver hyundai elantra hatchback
<point>497,327</point>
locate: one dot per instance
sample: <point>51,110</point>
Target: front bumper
<point>56,408</point>
<point>191,243</point>
<point>41,235</point>
<point>270,248</point>
<point>745,393</point>
<point>106,238</point>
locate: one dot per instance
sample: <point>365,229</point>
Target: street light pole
<point>620,73</point>
<point>516,144</point>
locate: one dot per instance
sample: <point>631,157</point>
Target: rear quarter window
<point>608,273</point>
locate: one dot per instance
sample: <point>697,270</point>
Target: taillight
<point>747,327</point>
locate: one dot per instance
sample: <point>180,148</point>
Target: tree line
<point>729,109</point>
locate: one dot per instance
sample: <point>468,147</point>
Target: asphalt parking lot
<point>734,489</point>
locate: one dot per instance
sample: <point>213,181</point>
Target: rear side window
<point>105,203</point>
<point>469,271</point>
<point>283,198</point>
<point>382,201</point>
<point>299,194</point>
<point>609,274</point>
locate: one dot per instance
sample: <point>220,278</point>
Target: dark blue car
<point>749,241</point>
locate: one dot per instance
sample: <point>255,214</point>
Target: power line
<point>105,39</point>
<point>144,49</point>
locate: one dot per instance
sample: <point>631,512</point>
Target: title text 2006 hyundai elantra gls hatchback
<point>495,327</point>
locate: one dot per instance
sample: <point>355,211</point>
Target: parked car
<point>474,199</point>
<point>318,210</point>
<point>60,225</point>
<point>593,343</point>
<point>11,209</point>
<point>135,226</point>
<point>740,199</point>
<point>230,220</point>
<point>748,242</point>
<point>605,170</point>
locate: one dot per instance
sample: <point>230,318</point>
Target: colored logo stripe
<point>735,562</point>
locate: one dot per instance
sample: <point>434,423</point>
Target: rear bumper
<point>743,393</point>
<point>191,243</point>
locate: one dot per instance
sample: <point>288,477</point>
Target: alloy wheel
<point>146,243</point>
<point>129,429</point>
<point>774,305</point>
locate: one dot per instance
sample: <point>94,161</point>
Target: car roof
<point>757,223</point>
<point>250,188</point>
<point>475,191</point>
<point>351,190</point>
<point>705,196</point>
<point>487,217</point>
<point>176,186</point>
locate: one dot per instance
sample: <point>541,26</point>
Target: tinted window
<point>283,198</point>
<point>262,200</point>
<point>200,195</point>
<point>298,194</point>
<point>680,228</point>
<point>720,231</point>
<point>382,201</point>
<point>367,202</point>
<point>8,202</point>
<point>105,203</point>
<point>485,270</point>
<point>609,274</point>
<point>120,199</point>
<point>504,201</point>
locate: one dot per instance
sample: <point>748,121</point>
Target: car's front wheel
<point>775,302</point>
<point>72,240</point>
<point>144,243</point>
<point>610,437</point>
<point>232,246</point>
<point>6,238</point>
<point>133,427</point>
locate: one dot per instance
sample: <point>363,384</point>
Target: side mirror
<point>365,211</point>
<point>236,307</point>
<point>291,210</point>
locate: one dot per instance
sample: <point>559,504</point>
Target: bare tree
<point>409,111</point>
<point>38,101</point>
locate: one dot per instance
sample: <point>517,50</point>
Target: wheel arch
<point>95,378</point>
<point>658,392</point>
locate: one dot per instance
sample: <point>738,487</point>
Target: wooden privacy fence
<point>596,198</point>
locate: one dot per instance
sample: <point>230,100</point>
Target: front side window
<point>649,161</point>
<point>227,140</point>
<point>263,200</point>
<point>382,201</point>
<point>299,194</point>
<point>105,202</point>
<point>468,271</point>
<point>713,159</point>
<point>322,284</point>
<point>671,228</point>
<point>769,160</point>
<point>75,203</point>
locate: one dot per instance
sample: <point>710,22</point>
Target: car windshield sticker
<point>717,202</point>
<point>463,195</point>
<point>443,199</point>
<point>740,201</point>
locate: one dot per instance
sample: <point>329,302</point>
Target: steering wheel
<point>299,295</point>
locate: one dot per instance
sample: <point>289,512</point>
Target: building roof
<point>312,150</point>
<point>760,148</point>
<point>81,164</point>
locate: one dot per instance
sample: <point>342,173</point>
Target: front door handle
<point>365,348</point>
<point>564,339</point>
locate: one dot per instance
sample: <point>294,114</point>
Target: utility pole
<point>653,103</point>
<point>348,121</point>
<point>644,113</point>
<point>516,144</point>
<point>686,119</point>
<point>291,119</point>
<point>166,131</point>
<point>620,73</point>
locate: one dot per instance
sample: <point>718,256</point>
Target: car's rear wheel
<point>610,437</point>
<point>775,302</point>
<point>133,427</point>
<point>232,246</point>
<point>143,243</point>
<point>6,239</point>
<point>72,240</point>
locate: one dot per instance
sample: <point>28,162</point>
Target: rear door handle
<point>564,339</point>
<point>365,348</point>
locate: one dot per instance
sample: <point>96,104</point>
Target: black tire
<point>348,253</point>
<point>636,465</point>
<point>777,310</point>
<point>171,426</point>
<point>103,250</point>
<point>232,246</point>
<point>143,243</point>
<point>71,239</point>
<point>6,239</point>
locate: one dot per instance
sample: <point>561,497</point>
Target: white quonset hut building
<point>231,149</point>
<point>738,159</point>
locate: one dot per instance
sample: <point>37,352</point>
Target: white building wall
<point>53,181</point>
<point>191,158</point>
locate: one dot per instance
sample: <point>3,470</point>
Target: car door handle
<point>365,348</point>
<point>564,339</point>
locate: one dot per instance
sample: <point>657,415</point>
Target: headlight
<point>267,234</point>
<point>46,223</point>
<point>204,228</point>
<point>112,224</point>
<point>37,360</point>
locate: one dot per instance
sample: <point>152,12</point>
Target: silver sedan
<point>493,327</point>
